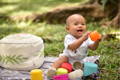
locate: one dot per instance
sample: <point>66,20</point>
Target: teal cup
<point>89,68</point>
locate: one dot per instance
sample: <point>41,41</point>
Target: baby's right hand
<point>85,36</point>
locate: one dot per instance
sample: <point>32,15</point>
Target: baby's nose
<point>80,25</point>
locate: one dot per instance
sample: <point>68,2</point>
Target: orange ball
<point>95,36</point>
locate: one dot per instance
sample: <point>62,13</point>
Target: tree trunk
<point>92,12</point>
<point>112,12</point>
<point>116,19</point>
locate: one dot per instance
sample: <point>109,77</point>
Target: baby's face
<point>76,26</point>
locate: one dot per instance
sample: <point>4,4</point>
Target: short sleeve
<point>89,41</point>
<point>68,40</point>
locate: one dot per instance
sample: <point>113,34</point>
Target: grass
<point>109,60</point>
<point>53,35</point>
<point>27,7</point>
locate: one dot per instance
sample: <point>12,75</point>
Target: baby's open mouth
<point>80,30</point>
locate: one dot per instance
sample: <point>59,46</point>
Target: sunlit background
<point>53,34</point>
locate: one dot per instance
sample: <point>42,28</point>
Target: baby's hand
<point>85,36</point>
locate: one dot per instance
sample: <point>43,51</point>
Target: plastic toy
<point>61,77</point>
<point>67,66</point>
<point>36,74</point>
<point>76,75</point>
<point>95,35</point>
<point>61,71</point>
<point>90,68</point>
<point>77,65</point>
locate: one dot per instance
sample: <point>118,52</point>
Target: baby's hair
<point>71,16</point>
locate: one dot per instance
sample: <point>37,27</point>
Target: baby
<point>76,43</point>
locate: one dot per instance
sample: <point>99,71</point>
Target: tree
<point>112,11</point>
<point>93,10</point>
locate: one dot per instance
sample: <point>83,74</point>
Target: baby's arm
<point>73,46</point>
<point>95,45</point>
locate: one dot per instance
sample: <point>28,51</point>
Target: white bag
<point>21,52</point>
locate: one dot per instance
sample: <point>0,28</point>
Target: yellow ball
<point>61,71</point>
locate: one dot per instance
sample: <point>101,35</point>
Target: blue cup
<point>90,68</point>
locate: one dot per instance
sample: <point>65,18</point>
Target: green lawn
<point>27,7</point>
<point>53,35</point>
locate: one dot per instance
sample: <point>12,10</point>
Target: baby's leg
<point>58,62</point>
<point>52,71</point>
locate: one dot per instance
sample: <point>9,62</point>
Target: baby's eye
<point>75,23</point>
<point>83,24</point>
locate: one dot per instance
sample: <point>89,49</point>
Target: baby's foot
<point>51,72</point>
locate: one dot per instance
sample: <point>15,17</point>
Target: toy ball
<point>77,74</point>
<point>61,71</point>
<point>67,66</point>
<point>90,68</point>
<point>61,77</point>
<point>95,35</point>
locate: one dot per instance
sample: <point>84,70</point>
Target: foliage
<point>11,59</point>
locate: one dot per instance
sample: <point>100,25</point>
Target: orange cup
<point>95,36</point>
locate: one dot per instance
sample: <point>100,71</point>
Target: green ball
<point>61,71</point>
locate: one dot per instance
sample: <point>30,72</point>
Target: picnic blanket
<point>6,74</point>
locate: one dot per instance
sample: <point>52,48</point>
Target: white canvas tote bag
<point>21,52</point>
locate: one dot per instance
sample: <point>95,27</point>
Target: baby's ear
<point>67,28</point>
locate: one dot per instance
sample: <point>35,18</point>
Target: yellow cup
<point>36,74</point>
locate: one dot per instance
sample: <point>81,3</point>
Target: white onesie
<point>80,53</point>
